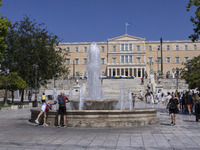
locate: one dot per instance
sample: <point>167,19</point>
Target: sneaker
<point>36,121</point>
<point>45,124</point>
<point>172,123</point>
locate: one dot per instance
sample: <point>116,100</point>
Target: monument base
<point>101,118</point>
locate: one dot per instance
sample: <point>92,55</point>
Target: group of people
<point>175,102</point>
<point>47,105</point>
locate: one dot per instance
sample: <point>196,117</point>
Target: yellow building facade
<point>128,56</point>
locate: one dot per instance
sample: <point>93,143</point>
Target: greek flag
<point>128,24</point>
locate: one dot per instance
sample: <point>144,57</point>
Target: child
<point>45,108</point>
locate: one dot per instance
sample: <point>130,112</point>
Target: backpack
<point>61,101</point>
<point>47,108</point>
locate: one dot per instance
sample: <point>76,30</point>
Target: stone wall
<point>102,118</point>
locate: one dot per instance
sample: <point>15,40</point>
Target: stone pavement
<point>16,133</point>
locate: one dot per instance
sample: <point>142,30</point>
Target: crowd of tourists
<point>175,102</point>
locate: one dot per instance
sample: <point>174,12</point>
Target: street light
<point>177,73</point>
<point>6,73</point>
<point>188,67</point>
<point>35,66</point>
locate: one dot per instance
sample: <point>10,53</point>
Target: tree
<point>4,23</point>
<point>14,83</point>
<point>30,43</point>
<point>195,20</point>
<point>191,73</point>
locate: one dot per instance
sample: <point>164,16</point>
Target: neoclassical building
<point>128,56</point>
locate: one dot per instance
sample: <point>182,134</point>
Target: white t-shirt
<point>168,98</point>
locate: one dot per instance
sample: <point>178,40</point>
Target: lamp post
<point>6,97</point>
<point>35,66</point>
<point>188,67</point>
<point>177,73</point>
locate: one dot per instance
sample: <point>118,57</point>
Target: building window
<point>85,49</point>
<point>68,61</point>
<point>76,49</point>
<point>85,61</point>
<point>177,47</point>
<point>138,47</point>
<point>103,60</point>
<point>114,48</point>
<point>68,49</point>
<point>102,48</point>
<point>195,47</point>
<point>122,47</point>
<point>186,59</point>
<point>76,61</point>
<point>177,59</point>
<point>126,47</point>
<point>130,59</point>
<point>138,59</point>
<point>122,59</point>
<point>130,47</point>
<point>150,59</point>
<point>113,60</point>
<point>186,47</point>
<point>150,48</point>
<point>159,47</point>
<point>126,59</point>
<point>168,60</point>
<point>168,47</point>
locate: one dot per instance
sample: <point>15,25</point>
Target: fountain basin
<point>94,104</point>
<point>102,118</point>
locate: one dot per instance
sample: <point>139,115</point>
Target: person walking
<point>152,98</point>
<point>173,108</point>
<point>29,96</point>
<point>133,99</point>
<point>189,102</point>
<point>167,102</point>
<point>44,109</point>
<point>62,100</point>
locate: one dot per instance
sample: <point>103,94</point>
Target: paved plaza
<point>17,133</point>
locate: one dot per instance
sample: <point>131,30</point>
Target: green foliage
<point>30,43</point>
<point>191,73</point>
<point>4,23</point>
<point>195,20</point>
<point>14,82</point>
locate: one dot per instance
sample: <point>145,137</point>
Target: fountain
<point>93,98</point>
<point>92,110</point>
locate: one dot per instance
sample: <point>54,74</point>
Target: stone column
<point>120,71</point>
<point>111,72</point>
<point>141,72</point>
<point>136,72</point>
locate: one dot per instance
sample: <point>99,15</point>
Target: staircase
<point>112,87</point>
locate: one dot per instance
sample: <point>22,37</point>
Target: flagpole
<point>126,28</point>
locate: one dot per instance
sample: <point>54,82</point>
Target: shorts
<point>43,108</point>
<point>62,111</point>
<point>189,105</point>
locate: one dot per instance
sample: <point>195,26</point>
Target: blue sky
<point>99,20</point>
